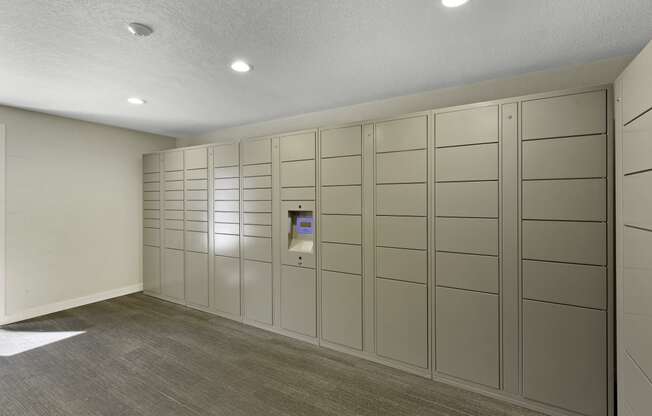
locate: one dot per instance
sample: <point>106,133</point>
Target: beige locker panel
<point>298,194</point>
<point>257,219</point>
<point>638,394</point>
<point>256,194</point>
<point>572,242</point>
<point>172,280</point>
<point>341,229</point>
<point>462,127</point>
<point>401,199</point>
<point>298,146</point>
<point>637,199</point>
<point>170,196</point>
<point>196,158</point>
<point>151,269</point>
<point>197,241</point>
<point>257,248</point>
<point>637,340</point>
<point>299,300</point>
<point>151,196</point>
<point>467,271</point>
<point>173,176</point>
<point>175,215</point>
<point>174,224</point>
<point>636,281</point>
<point>401,232</point>
<point>401,167</point>
<point>197,195</point>
<point>151,163</point>
<point>173,205</point>
<point>151,214</point>
<point>344,141</point>
<point>467,163</point>
<point>228,217</point>
<point>467,235</point>
<point>227,183</point>
<point>403,134</point>
<point>257,282</point>
<point>341,200</point>
<point>467,199</point>
<point>221,228</point>
<point>256,151</point>
<point>232,206</point>
<point>196,216</point>
<point>151,223</point>
<point>637,145</point>
<point>402,264</point>
<point>402,321</point>
<point>152,205</point>
<point>195,174</point>
<point>226,155</point>
<point>258,230</point>
<point>227,245</point>
<point>196,205</point>
<point>196,184</point>
<point>230,172</point>
<point>344,258</point>
<point>227,285</point>
<point>300,173</point>
<point>578,199</point>
<point>341,311</point>
<point>565,357</point>
<point>151,237</point>
<point>173,185</point>
<point>578,157</point>
<point>636,84</point>
<point>467,339</point>
<point>257,170</point>
<point>151,186</point>
<point>568,115</point>
<point>226,195</point>
<point>571,284</point>
<point>151,177</point>
<point>173,160</point>
<point>341,171</point>
<point>196,225</point>
<point>257,206</point>
<point>258,182</point>
<point>196,279</point>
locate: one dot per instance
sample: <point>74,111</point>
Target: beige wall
<point>73,211</point>
<point>591,74</point>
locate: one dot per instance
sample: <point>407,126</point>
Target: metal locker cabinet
<point>345,170</point>
<point>341,229</point>
<point>256,151</point>
<point>346,258</point>
<point>257,248</point>
<point>402,199</point>
<point>565,241</point>
<point>196,272</point>
<point>468,126</point>
<point>257,231</point>
<point>298,146</point>
<point>573,157</point>
<point>152,269</point>
<point>227,285</point>
<point>257,280</point>
<point>467,235</point>
<point>402,264</point>
<point>467,163</point>
<point>636,145</point>
<point>467,271</point>
<point>401,167</point>
<point>401,232</point>
<point>257,206</point>
<point>151,223</point>
<point>342,309</point>
<point>467,199</point>
<point>298,194</point>
<point>341,200</point>
<point>257,182</point>
<point>172,281</point>
<point>576,199</point>
<point>264,169</point>
<point>341,141</point>
<point>298,173</point>
<point>402,134</point>
<point>467,342</point>
<point>298,305</point>
<point>637,199</point>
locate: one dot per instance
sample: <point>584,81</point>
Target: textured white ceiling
<point>75,58</point>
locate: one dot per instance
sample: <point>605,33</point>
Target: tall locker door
<point>256,161</point>
<point>226,228</point>
<point>152,223</point>
<point>173,280</point>
<point>467,342</point>
<point>401,209</point>
<point>566,268</point>
<point>634,231</point>
<point>196,227</point>
<point>298,300</point>
<point>341,237</point>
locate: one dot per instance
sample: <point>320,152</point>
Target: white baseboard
<point>69,304</point>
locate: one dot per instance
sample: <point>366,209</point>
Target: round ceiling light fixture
<point>139,29</point>
<point>136,101</point>
<point>240,66</point>
<point>453,3</point>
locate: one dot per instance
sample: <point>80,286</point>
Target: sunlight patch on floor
<point>16,342</point>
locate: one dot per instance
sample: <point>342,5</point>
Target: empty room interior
<point>326,207</point>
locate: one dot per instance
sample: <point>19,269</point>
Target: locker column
<point>341,235</point>
<point>172,281</point>
<point>467,334</point>
<point>152,223</point>
<point>564,251</point>
<point>226,228</point>
<point>256,160</point>
<point>402,240</point>
<point>196,227</point>
<point>298,245</point>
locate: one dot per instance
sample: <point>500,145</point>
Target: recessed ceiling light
<point>136,101</point>
<point>139,29</point>
<point>453,3</point>
<point>240,66</point>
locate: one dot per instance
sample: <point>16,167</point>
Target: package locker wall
<point>173,276</point>
<point>152,223</point>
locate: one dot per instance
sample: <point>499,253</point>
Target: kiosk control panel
<point>299,247</point>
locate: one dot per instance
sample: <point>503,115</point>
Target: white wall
<point>73,211</point>
<point>592,74</point>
